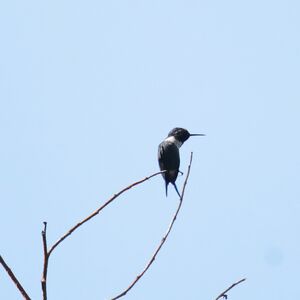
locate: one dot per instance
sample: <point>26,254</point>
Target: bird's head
<point>182,134</point>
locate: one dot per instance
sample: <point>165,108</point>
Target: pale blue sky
<point>88,89</point>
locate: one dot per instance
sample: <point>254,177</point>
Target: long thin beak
<point>197,134</point>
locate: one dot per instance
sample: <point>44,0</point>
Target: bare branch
<point>46,259</point>
<point>47,252</point>
<point>139,276</point>
<point>223,294</point>
<point>14,279</point>
<point>96,212</point>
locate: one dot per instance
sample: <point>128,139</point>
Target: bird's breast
<point>171,139</point>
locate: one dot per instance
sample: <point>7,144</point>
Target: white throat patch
<point>172,139</point>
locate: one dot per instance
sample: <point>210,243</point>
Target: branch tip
<point>164,238</point>
<point>224,294</point>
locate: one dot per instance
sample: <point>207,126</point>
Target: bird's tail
<point>176,189</point>
<point>167,188</point>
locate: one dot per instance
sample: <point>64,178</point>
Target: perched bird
<point>168,155</point>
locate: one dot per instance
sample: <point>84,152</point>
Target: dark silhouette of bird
<point>168,155</point>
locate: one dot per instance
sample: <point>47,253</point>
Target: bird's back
<point>169,160</point>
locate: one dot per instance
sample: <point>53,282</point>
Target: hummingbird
<point>168,155</point>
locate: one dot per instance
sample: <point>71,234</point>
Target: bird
<point>168,155</point>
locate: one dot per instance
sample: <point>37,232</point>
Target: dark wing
<point>168,159</point>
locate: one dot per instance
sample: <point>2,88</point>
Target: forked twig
<point>47,252</point>
<point>223,294</point>
<point>14,279</point>
<point>139,276</point>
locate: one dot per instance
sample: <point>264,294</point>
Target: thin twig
<point>46,260</point>
<point>223,294</point>
<point>47,252</point>
<point>139,276</point>
<point>14,279</point>
<point>96,212</point>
